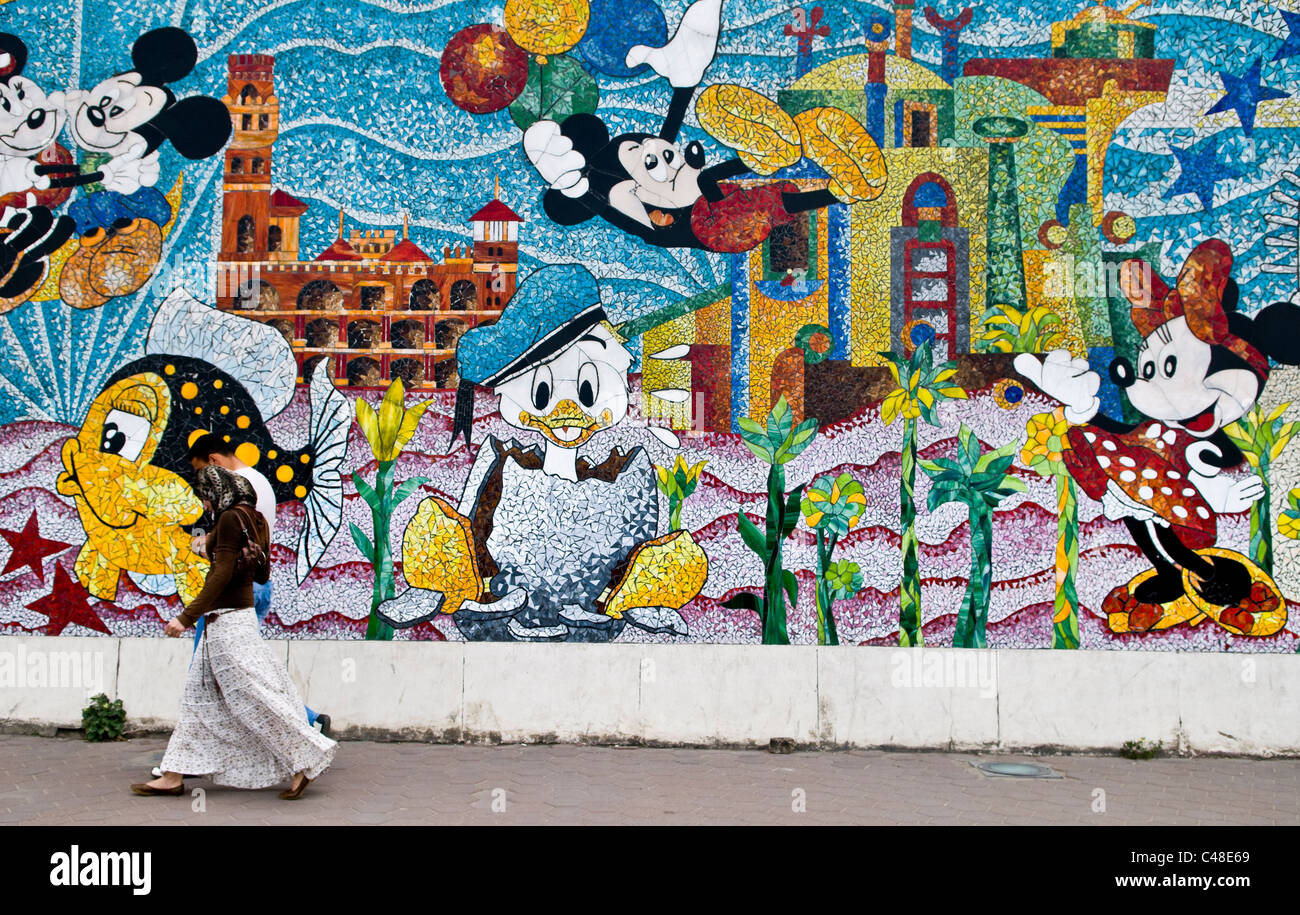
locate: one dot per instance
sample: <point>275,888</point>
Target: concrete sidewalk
<point>66,781</point>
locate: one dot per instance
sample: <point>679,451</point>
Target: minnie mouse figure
<point>29,231</point>
<point>1200,367</point>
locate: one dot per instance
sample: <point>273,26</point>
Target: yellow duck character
<point>545,546</point>
<point>132,511</point>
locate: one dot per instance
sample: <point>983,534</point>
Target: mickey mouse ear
<point>13,55</point>
<point>164,55</point>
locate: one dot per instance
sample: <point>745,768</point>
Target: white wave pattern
<point>229,36</point>
<point>357,50</point>
<point>452,155</point>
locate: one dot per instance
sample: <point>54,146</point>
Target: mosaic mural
<point>722,321</point>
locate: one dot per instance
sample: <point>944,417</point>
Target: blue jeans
<point>261,606</point>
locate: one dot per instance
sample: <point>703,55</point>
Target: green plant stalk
<point>1065,608</point>
<point>973,617</point>
<point>382,561</point>
<point>1261,522</point>
<point>675,503</point>
<point>826,632</point>
<point>774,628</point>
<point>909,595</point>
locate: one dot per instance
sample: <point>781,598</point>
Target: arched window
<point>236,166</point>
<point>320,295</point>
<point>273,237</point>
<point>424,296</point>
<point>463,296</point>
<point>246,122</point>
<point>407,334</point>
<point>257,165</point>
<point>263,122</point>
<point>410,370</point>
<point>245,235</point>
<point>446,333</point>
<point>248,95</point>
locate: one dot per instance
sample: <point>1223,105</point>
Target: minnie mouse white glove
<point>683,60</point>
<point>555,159</point>
<point>1064,378</point>
<point>17,175</point>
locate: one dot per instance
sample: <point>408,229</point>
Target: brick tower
<point>246,201</point>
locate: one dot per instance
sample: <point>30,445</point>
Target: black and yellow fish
<point>204,371</point>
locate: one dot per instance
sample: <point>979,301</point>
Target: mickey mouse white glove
<point>683,60</point>
<point>555,159</point>
<point>131,171</point>
<point>1066,379</point>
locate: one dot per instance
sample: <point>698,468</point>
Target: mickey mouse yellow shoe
<point>763,135</point>
<point>845,151</point>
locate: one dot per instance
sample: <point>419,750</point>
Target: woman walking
<point>241,718</point>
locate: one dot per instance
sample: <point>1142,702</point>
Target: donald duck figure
<point>545,545</point>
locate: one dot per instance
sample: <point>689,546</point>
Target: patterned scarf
<point>223,489</point>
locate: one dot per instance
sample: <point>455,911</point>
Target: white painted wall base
<point>711,695</point>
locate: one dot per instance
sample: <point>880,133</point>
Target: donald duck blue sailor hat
<point>554,306</point>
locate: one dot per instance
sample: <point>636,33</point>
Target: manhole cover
<point>1016,770</point>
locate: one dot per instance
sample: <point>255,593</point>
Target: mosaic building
<point>374,306</point>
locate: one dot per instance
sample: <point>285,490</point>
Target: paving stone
<point>386,783</point>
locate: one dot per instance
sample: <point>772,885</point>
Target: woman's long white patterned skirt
<point>242,720</point>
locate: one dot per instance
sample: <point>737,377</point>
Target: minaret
<point>496,249</point>
<point>903,28</point>
<point>255,116</point>
<point>950,30</point>
<point>877,41</point>
<point>1005,276</point>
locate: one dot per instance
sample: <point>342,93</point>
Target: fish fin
<point>330,420</point>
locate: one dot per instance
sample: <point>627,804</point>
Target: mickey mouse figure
<point>122,122</point>
<point>651,187</point>
<point>29,122</point>
<point>1200,367</point>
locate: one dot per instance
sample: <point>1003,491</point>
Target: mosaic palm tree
<point>980,482</point>
<point>1261,439</point>
<point>1044,446</point>
<point>921,386</point>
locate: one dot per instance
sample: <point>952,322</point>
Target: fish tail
<point>328,444</point>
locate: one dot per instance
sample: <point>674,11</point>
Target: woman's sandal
<point>292,794</point>
<point>147,790</point>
